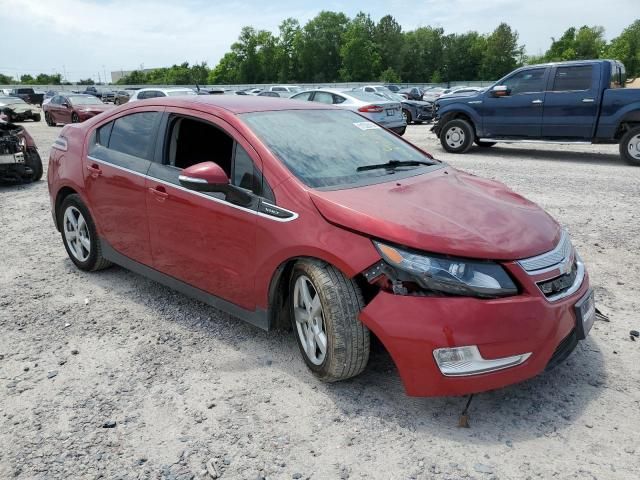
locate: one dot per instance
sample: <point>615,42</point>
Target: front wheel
<point>34,162</point>
<point>457,136</point>
<point>324,307</point>
<point>630,147</point>
<point>406,114</point>
<point>80,236</point>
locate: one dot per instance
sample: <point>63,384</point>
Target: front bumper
<point>412,327</point>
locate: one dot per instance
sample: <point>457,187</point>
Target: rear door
<point>119,155</point>
<point>572,101</point>
<point>518,114</point>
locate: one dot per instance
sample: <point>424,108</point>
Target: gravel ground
<point>110,375</point>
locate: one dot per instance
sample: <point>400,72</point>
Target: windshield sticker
<point>366,125</point>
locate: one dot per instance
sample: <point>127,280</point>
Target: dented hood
<point>446,211</point>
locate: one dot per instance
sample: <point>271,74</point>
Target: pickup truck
<point>104,95</point>
<point>566,102</point>
<point>28,95</point>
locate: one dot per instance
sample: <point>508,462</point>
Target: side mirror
<point>205,177</point>
<point>500,91</point>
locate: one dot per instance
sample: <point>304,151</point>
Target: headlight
<point>449,275</point>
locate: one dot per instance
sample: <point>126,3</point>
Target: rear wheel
<point>79,235</point>
<point>630,147</point>
<point>457,136</point>
<point>324,307</point>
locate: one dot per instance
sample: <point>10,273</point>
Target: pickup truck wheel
<point>485,144</point>
<point>80,236</point>
<point>630,147</point>
<point>324,307</point>
<point>457,136</point>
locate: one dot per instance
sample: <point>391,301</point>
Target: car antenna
<point>463,421</point>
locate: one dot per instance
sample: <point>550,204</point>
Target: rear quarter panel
<point>618,105</point>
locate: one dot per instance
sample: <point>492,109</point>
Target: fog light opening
<point>461,361</point>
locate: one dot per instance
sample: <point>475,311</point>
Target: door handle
<point>588,100</point>
<point>94,170</point>
<point>536,102</point>
<point>159,192</point>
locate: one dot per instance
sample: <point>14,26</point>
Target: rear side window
<point>303,96</point>
<point>134,134</point>
<point>572,78</point>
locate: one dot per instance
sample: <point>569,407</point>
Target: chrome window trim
<point>184,178</point>
<point>294,215</point>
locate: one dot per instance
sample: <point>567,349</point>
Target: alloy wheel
<point>309,319</point>
<point>455,137</point>
<point>76,234</point>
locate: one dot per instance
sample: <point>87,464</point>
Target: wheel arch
<point>63,193</point>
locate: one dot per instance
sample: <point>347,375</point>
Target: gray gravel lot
<point>110,375</point>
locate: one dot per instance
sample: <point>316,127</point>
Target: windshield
<point>88,100</point>
<point>177,93</point>
<point>10,100</point>
<point>324,148</point>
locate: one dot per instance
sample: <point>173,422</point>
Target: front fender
<point>456,110</point>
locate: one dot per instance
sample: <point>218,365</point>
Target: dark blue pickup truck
<point>568,102</point>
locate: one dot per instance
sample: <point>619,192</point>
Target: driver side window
<point>527,81</point>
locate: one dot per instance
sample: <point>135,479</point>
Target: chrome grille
<point>551,259</point>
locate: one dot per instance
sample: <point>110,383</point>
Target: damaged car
<point>19,157</point>
<point>14,109</point>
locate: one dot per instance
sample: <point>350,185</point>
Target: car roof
<point>165,89</point>
<point>235,104</point>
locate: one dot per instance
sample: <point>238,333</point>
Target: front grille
<point>567,345</point>
<point>560,253</point>
<point>558,285</point>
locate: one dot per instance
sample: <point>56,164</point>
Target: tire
<point>407,116</point>
<point>47,118</point>
<point>484,144</point>
<point>347,340</point>
<point>457,136</point>
<point>34,162</point>
<point>37,117</point>
<point>116,101</point>
<point>9,117</point>
<point>630,147</point>
<point>75,118</point>
<point>399,130</point>
<point>88,259</point>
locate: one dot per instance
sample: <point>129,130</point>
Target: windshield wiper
<point>393,164</point>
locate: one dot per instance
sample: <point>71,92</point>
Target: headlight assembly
<point>453,276</point>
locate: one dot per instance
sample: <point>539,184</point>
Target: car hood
<point>418,103</point>
<point>453,97</point>
<point>447,212</point>
<point>18,107</point>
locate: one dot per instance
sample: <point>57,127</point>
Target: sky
<point>91,38</point>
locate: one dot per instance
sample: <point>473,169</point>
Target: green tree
<point>626,48</point>
<point>577,44</point>
<point>389,41</point>
<point>502,53</point>
<point>89,81</point>
<point>227,71</point>
<point>6,79</point>
<point>422,54</point>
<point>462,56</point>
<point>360,59</point>
<point>27,79</point>
<point>390,76</point>
<point>320,47</point>
<point>290,43</point>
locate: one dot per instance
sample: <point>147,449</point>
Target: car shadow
<point>567,156</point>
<point>534,408</point>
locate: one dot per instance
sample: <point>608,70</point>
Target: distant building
<point>117,75</point>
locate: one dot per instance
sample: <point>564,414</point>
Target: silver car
<point>384,112</point>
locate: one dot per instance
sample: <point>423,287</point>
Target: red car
<point>73,108</point>
<point>294,213</point>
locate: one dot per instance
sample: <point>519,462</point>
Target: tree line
<point>332,47</point>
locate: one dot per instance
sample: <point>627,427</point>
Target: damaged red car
<point>288,213</point>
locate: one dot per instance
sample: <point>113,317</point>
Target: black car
<point>413,93</point>
<point>19,157</point>
<point>393,88</point>
<point>15,109</point>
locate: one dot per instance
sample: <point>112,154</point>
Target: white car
<point>285,90</point>
<point>154,92</point>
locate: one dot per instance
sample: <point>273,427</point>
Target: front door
<point>519,113</point>
<point>204,239</point>
<point>572,101</point>
<point>119,155</point>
